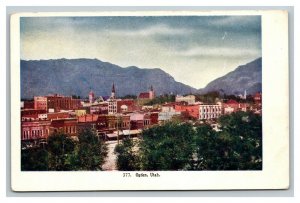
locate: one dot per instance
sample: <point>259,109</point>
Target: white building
<point>210,111</point>
<point>112,102</point>
<point>164,116</point>
<point>190,99</point>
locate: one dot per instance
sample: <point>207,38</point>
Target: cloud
<point>219,52</point>
<point>160,29</point>
<point>241,23</point>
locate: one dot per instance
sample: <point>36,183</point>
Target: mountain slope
<point>245,77</point>
<point>79,76</point>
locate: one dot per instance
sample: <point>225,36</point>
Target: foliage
<point>91,151</point>
<point>167,147</point>
<point>60,148</point>
<point>179,146</point>
<point>237,147</point>
<point>62,153</point>
<point>245,130</point>
<point>209,97</point>
<point>75,96</point>
<point>34,159</point>
<point>162,99</point>
<point>127,158</point>
<point>249,98</point>
<point>129,96</point>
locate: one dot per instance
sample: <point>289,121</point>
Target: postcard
<point>152,100</point>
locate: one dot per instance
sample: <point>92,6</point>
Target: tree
<point>34,159</point>
<point>238,146</point>
<point>90,152</point>
<point>60,148</point>
<point>167,147</point>
<point>127,157</point>
<point>245,129</point>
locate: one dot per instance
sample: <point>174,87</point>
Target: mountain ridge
<point>245,77</point>
<point>79,76</point>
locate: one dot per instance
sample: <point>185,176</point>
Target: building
<point>147,95</point>
<point>99,109</point>
<point>35,130</point>
<point>189,99</point>
<point>40,103</point>
<point>89,121</point>
<point>55,103</point>
<point>154,118</point>
<point>165,116</point>
<point>126,105</point>
<point>167,112</point>
<point>258,98</point>
<point>58,115</point>
<point>80,112</point>
<point>191,110</point>
<point>140,120</point>
<point>112,101</point>
<point>27,104</point>
<point>91,97</point>
<point>64,125</point>
<point>210,111</point>
<point>233,106</point>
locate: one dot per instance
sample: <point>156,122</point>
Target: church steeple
<point>113,91</point>
<point>151,93</point>
<point>113,88</point>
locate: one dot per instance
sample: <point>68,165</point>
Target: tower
<point>112,102</point>
<point>113,91</point>
<point>151,93</point>
<point>245,94</point>
<point>91,97</point>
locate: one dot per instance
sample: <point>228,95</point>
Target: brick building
<point>65,125</point>
<point>140,120</point>
<point>35,130</point>
<point>191,110</point>
<point>56,102</point>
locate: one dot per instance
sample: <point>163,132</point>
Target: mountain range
<point>245,77</point>
<point>80,76</point>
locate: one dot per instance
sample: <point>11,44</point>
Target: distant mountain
<point>245,77</point>
<point>79,76</point>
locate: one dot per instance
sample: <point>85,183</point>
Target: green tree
<point>245,129</point>
<point>238,146</point>
<point>60,148</point>
<point>34,159</point>
<point>127,157</point>
<point>90,153</point>
<point>167,147</point>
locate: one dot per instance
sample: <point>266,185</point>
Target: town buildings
<point>114,118</point>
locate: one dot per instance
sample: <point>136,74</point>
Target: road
<point>110,161</point>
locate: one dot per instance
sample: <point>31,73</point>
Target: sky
<point>193,49</point>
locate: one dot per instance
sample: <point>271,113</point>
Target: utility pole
<point>118,129</point>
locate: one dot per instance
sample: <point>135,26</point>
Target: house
<point>147,95</point>
<point>189,99</point>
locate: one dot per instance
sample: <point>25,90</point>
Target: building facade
<point>56,103</point>
<point>189,99</point>
<point>210,111</point>
<point>112,102</point>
